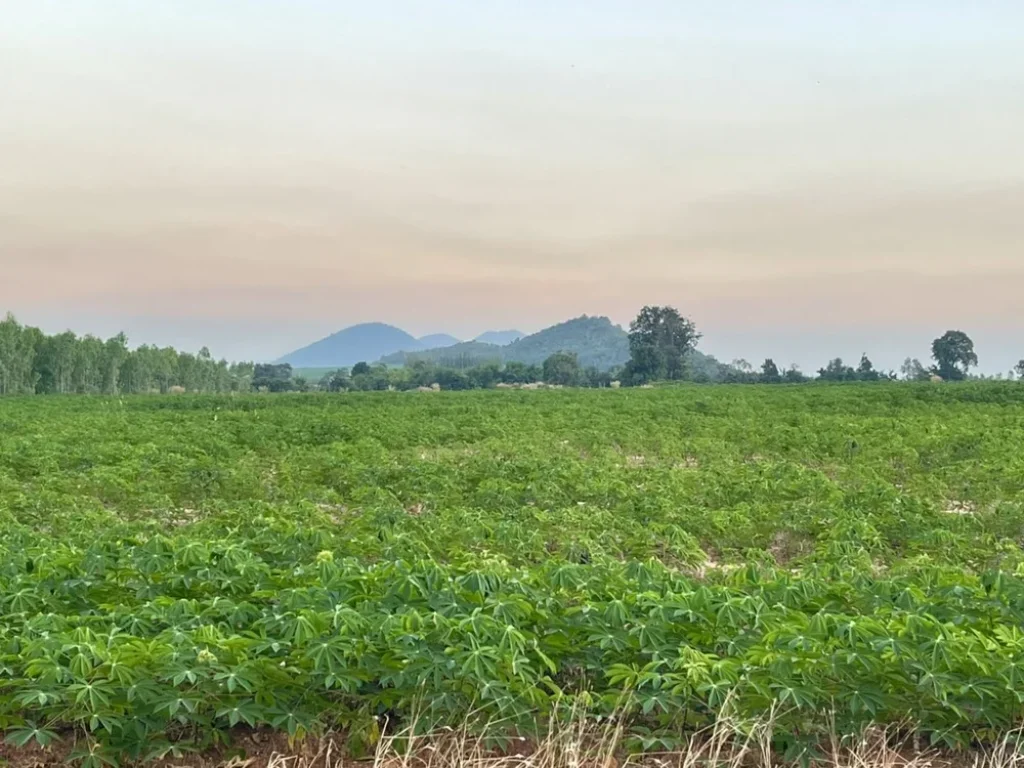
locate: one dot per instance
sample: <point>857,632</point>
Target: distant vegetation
<point>464,355</point>
<point>583,352</point>
<point>595,341</point>
<point>33,363</point>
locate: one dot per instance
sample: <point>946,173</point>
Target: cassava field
<point>183,570</point>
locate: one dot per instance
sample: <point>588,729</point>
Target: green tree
<point>770,372</point>
<point>17,358</point>
<point>374,378</point>
<point>516,372</point>
<point>793,375</point>
<point>912,370</point>
<point>273,377</point>
<point>659,341</point>
<point>562,368</point>
<point>484,376</point>
<point>338,381</point>
<point>241,376</point>
<point>134,375</point>
<point>450,378</point>
<point>115,351</point>
<point>33,363</point>
<point>954,355</point>
<point>1019,369</point>
<point>594,377</point>
<point>837,370</point>
<point>866,370</point>
<point>55,361</point>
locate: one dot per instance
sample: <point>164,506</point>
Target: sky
<point>802,178</point>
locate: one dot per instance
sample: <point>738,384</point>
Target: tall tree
<point>659,341</point>
<point>770,372</point>
<point>55,362</point>
<point>954,355</point>
<point>17,358</point>
<point>866,370</point>
<point>1019,369</point>
<point>115,350</point>
<point>912,370</point>
<point>87,373</point>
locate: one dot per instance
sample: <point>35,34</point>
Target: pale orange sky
<point>254,176</point>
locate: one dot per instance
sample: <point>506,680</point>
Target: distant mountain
<point>596,341</point>
<point>501,338</point>
<point>436,340</point>
<point>366,342</point>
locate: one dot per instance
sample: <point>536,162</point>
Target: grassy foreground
<point>174,569</point>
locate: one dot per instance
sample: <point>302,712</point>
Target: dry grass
<point>577,745</point>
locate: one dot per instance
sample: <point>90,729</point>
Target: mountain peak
<point>437,340</point>
<point>501,338</point>
<point>365,342</point>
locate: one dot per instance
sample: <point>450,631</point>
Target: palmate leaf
<point>865,701</point>
<point>246,711</point>
<point>93,696</point>
<point>19,737</point>
<point>95,755</point>
<point>46,669</point>
<point>109,723</point>
<point>161,749</point>
<point>716,692</point>
<point>98,493</point>
<point>172,706</point>
<point>237,679</point>
<point>34,697</point>
<point>294,722</point>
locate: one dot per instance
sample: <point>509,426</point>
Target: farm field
<point>178,569</point>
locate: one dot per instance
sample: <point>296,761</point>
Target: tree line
<point>660,342</point>
<point>559,369</point>
<point>31,362</point>
<point>660,339</point>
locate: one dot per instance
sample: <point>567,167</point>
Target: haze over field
<point>803,179</point>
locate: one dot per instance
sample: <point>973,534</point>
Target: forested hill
<point>595,341</point>
<point>461,356</point>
